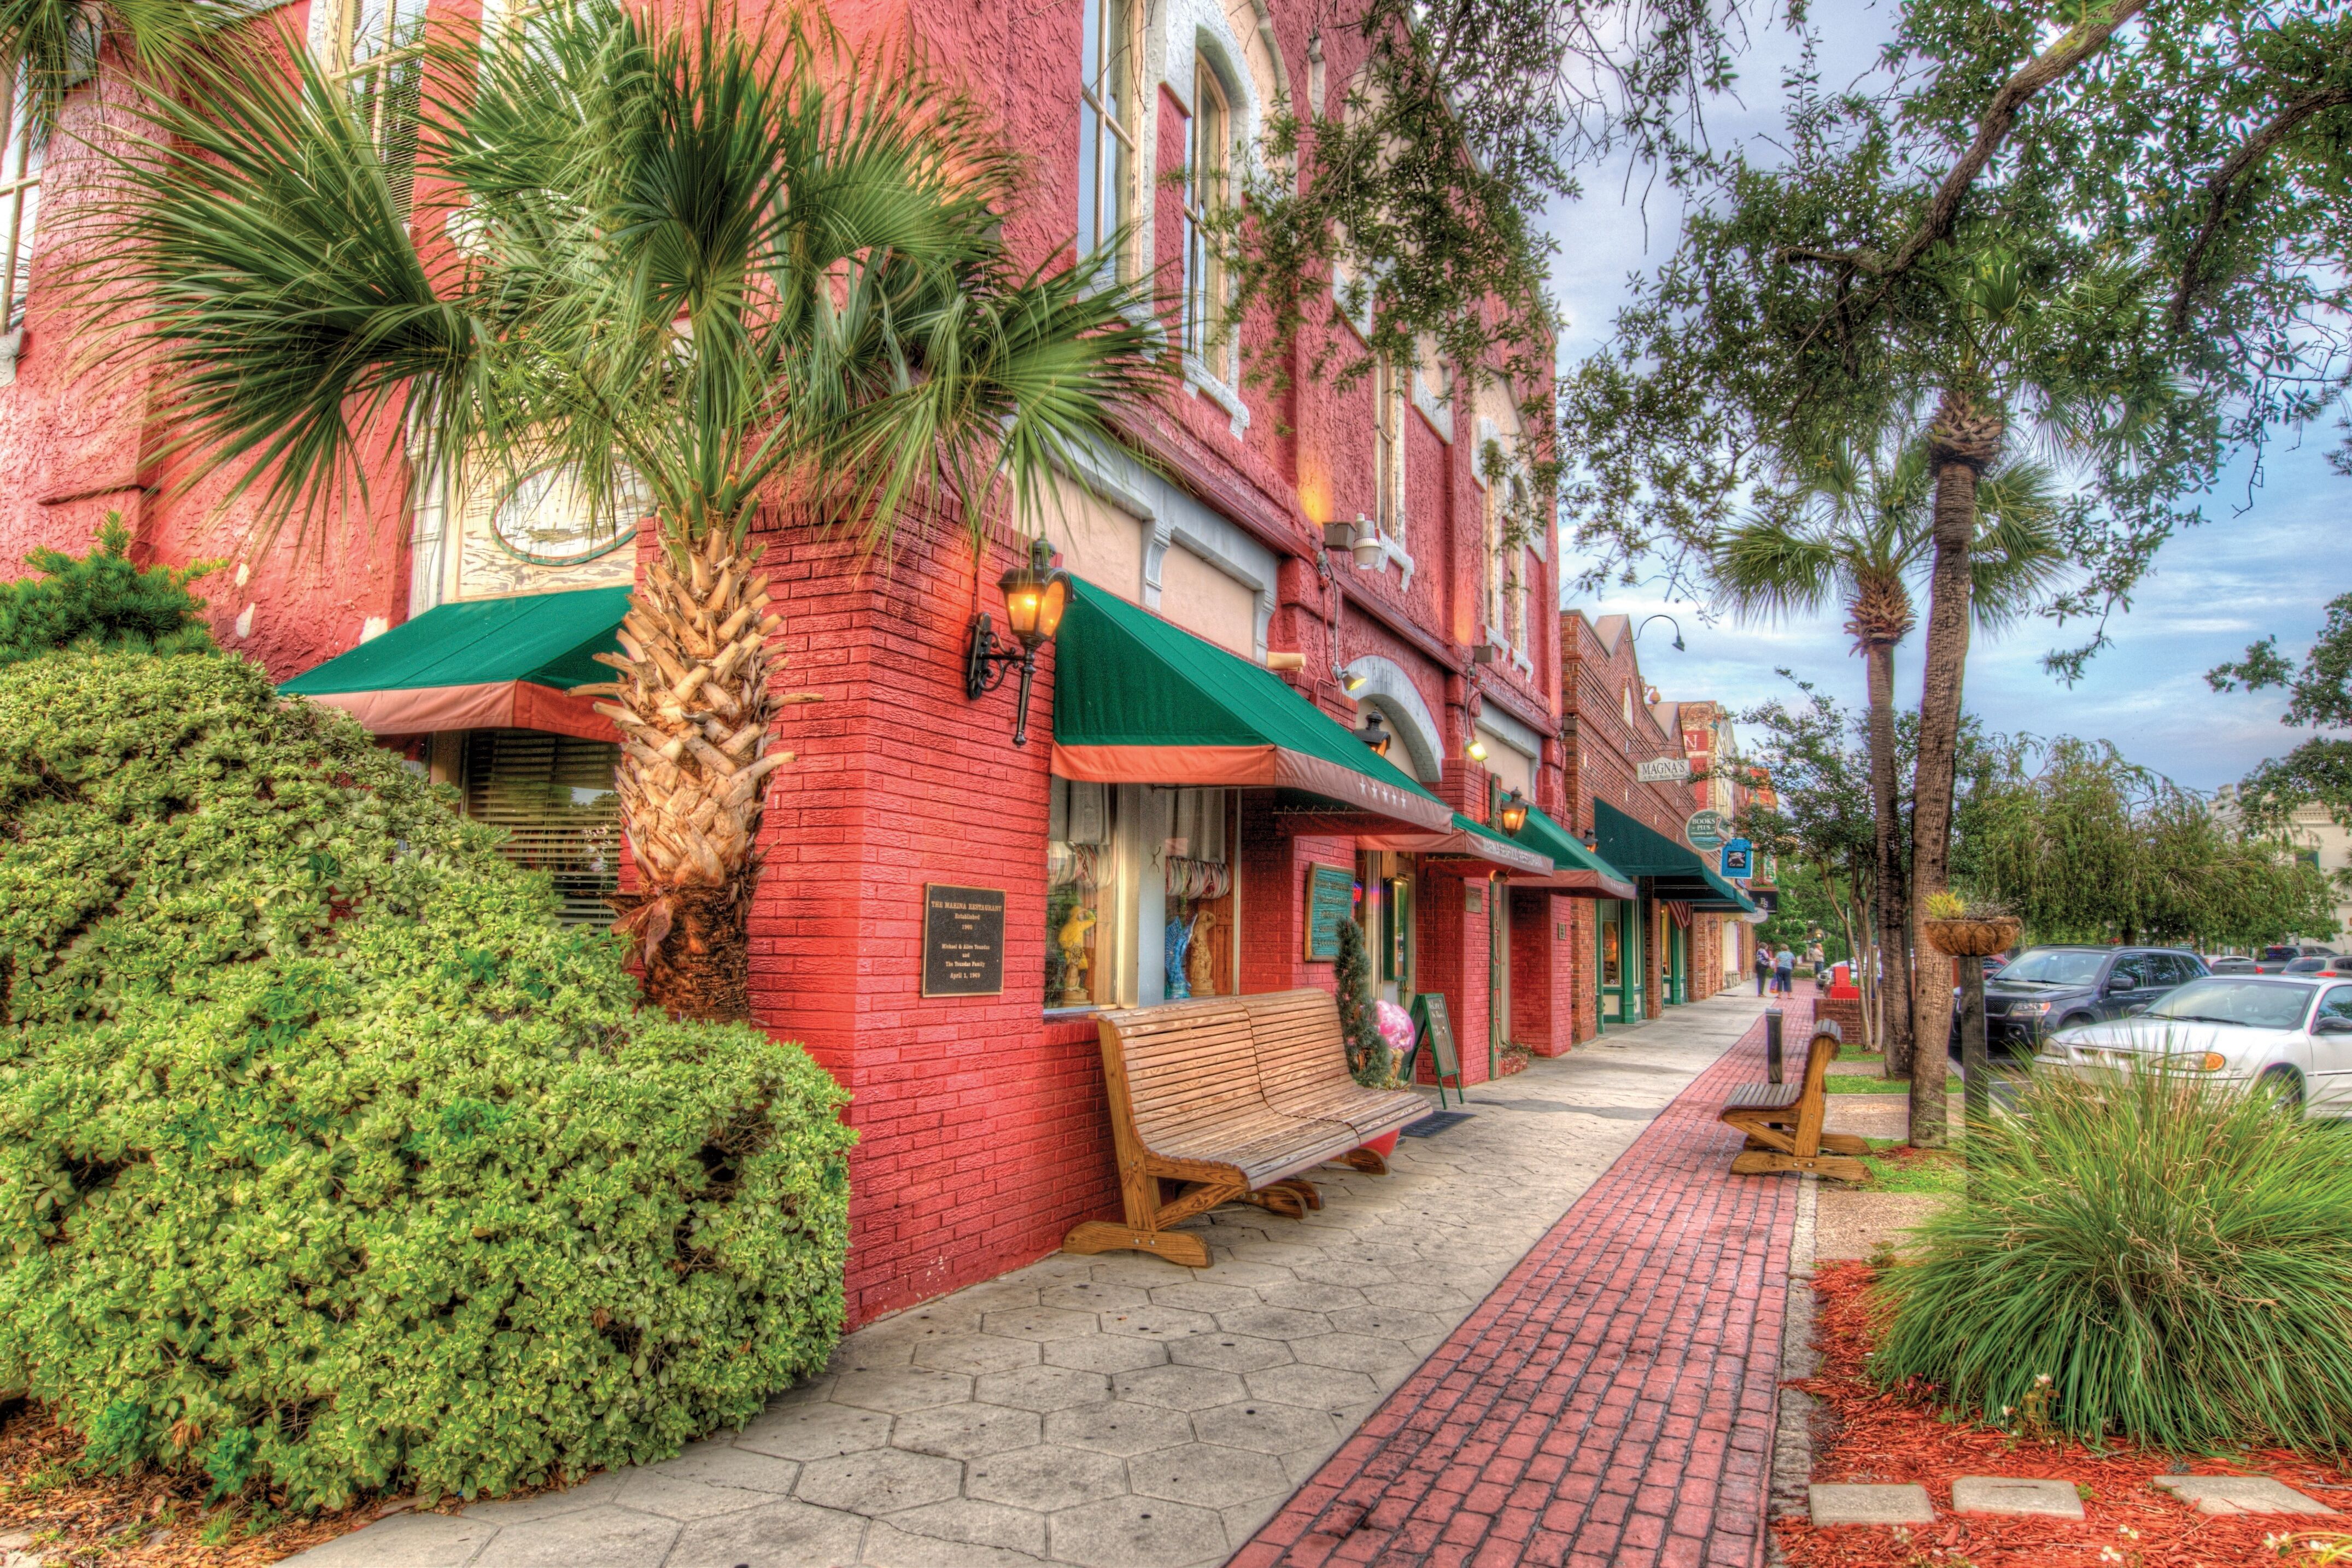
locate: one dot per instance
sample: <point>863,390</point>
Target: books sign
<point>1706,830</point>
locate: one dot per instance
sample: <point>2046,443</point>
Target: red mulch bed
<point>1868,1434</point>
<point>149,1519</point>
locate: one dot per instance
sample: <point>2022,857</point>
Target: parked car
<point>2291,1033</point>
<point>2231,963</point>
<point>2048,988</point>
<point>2306,966</point>
<point>2274,960</point>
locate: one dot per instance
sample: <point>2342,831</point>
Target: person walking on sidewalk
<point>1763,967</point>
<point>1784,968</point>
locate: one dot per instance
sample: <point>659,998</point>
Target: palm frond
<point>1768,568</point>
<point>49,48</point>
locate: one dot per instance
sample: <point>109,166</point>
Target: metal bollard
<point>1772,1044</point>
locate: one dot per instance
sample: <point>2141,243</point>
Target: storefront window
<point>1197,880</point>
<point>1140,905</point>
<point>1078,866</point>
<point>1612,956</point>
<point>555,796</point>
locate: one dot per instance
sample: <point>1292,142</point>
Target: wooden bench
<point>1236,1099</point>
<point>1783,1121</point>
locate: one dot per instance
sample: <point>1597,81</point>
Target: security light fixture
<point>1355,683</point>
<point>1476,751</point>
<point>1370,551</point>
<point>1035,595</point>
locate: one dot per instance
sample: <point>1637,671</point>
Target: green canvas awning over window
<point>1469,840</point>
<point>488,664</point>
<point>1672,870</point>
<point>1576,870</point>
<point>1135,700</point>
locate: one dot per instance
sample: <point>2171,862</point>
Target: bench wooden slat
<point>1235,1096</point>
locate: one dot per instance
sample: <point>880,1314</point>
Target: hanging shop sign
<point>1330,901</point>
<point>963,940</point>
<point>1707,830</point>
<point>1664,770</point>
<point>1738,860</point>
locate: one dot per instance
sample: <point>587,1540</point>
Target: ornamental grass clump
<point>329,1162</point>
<point>2172,1256</point>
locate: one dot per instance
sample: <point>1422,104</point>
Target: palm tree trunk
<point>1963,441</point>
<point>694,709</point>
<point>1887,853</point>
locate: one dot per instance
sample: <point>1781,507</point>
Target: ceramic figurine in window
<point>1075,959</point>
<point>1180,941</point>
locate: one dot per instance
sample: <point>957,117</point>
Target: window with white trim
<point>554,794</point>
<point>1106,150</point>
<point>375,48</point>
<point>20,199</point>
<point>1388,448</point>
<point>1206,189</point>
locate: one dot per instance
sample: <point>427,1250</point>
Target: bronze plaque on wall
<point>963,940</point>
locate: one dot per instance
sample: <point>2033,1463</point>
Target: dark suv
<point>2049,988</point>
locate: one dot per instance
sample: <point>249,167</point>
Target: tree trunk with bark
<point>694,707</point>
<point>1887,855</point>
<point>1964,440</point>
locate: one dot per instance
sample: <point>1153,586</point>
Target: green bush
<point>101,600</point>
<point>2174,1256</point>
<point>328,1161</point>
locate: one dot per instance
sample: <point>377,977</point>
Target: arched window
<point>1208,185</point>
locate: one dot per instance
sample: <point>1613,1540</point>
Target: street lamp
<point>1035,593</point>
<point>1670,621</point>
<point>1374,735</point>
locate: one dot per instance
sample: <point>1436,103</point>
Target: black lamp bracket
<point>989,658</point>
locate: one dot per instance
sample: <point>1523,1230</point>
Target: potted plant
<point>1964,929</point>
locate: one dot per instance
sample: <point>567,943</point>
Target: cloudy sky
<point>2267,559</point>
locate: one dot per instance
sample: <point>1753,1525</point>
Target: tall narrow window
<point>1105,129</point>
<point>1515,565</point>
<point>1388,446</point>
<point>376,50</point>
<point>1081,891</point>
<point>1497,588</point>
<point>1205,194</point>
<point>20,195</point>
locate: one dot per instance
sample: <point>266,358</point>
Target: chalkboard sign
<point>963,940</point>
<point>1330,900</point>
<point>1433,1027</point>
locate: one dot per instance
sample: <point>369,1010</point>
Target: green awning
<point>1467,839</point>
<point>1575,870</point>
<point>1135,700</point>
<point>483,664</point>
<point>1672,870</point>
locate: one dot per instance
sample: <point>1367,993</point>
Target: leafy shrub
<point>328,1161</point>
<point>2176,1256</point>
<point>1368,1054</point>
<point>101,600</point>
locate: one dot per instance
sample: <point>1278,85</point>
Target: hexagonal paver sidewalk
<point>1119,1411</point>
<point>1612,1404</point>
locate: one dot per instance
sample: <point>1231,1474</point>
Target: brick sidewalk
<point>1610,1404</point>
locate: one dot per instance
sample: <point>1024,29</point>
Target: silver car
<point>2291,1034</point>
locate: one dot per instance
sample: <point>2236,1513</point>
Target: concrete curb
<point>1792,1427</point>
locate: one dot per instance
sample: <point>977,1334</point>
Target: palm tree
<point>2030,361</point>
<point>1857,527</point>
<point>49,46</point>
<point>707,268</point>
